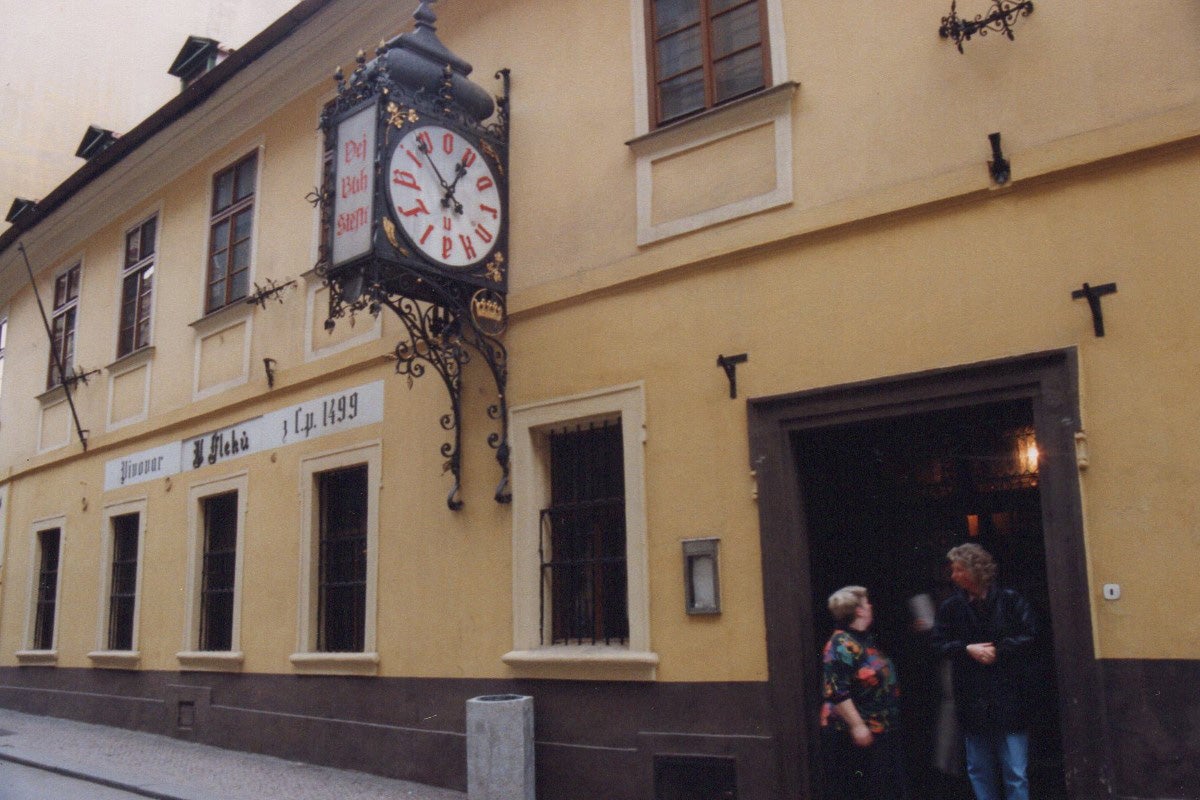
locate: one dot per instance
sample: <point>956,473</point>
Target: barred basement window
<point>584,582</point>
<point>47,589</point>
<point>123,591</point>
<point>218,571</point>
<point>342,560</point>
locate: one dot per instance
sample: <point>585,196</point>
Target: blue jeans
<point>993,757</point>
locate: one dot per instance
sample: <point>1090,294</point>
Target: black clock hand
<point>429,155</point>
<point>460,169</point>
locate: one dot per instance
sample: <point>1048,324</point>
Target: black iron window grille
<point>705,53</point>
<point>218,571</point>
<point>47,589</point>
<point>229,233</point>
<point>342,557</point>
<point>582,548</point>
<point>137,287</point>
<point>62,325</point>
<point>123,587</point>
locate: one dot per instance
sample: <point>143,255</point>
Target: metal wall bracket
<point>729,364</point>
<point>1093,295</point>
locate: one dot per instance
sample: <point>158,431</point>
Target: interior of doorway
<point>883,501</point>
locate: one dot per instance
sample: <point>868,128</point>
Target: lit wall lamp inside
<point>701,576</point>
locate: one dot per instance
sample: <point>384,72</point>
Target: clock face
<point>445,196</point>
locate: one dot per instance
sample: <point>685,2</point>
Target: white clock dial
<point>445,196</point>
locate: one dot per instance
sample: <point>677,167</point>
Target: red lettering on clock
<point>484,233</point>
<point>484,183</point>
<point>495,214</point>
<point>419,208</point>
<point>424,142</point>
<point>447,223</point>
<point>425,235</point>
<point>448,143</point>
<point>413,156</point>
<point>447,246</point>
<point>404,178</point>
<point>468,158</point>
<point>468,247</point>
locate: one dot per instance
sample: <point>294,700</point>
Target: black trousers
<point>863,773</point>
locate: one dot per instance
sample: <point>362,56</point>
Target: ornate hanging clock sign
<point>416,213</point>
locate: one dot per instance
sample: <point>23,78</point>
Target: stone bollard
<point>500,747</point>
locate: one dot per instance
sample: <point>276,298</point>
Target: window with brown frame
<point>230,233</point>
<point>704,53</point>
<point>137,287</point>
<point>62,338</point>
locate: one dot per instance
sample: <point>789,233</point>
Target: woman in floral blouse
<point>863,753</point>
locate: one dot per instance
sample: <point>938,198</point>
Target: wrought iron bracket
<point>1093,294</point>
<point>1004,13</point>
<point>729,364</point>
<point>262,294</point>
<point>998,167</point>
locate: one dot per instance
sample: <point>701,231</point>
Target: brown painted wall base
<point>1154,724</point>
<point>593,739</point>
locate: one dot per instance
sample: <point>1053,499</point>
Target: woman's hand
<point>862,735</point>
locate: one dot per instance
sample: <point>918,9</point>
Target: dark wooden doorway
<point>883,501</point>
<point>799,570</point>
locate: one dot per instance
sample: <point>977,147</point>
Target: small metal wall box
<point>701,576</point>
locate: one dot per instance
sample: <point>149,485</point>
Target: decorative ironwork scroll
<point>1000,20</point>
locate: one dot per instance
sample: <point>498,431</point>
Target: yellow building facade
<point>935,351</point>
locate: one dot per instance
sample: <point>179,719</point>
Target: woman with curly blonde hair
<point>863,756</point>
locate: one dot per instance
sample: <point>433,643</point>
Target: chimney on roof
<point>197,57</point>
<point>95,142</point>
<point>20,211</point>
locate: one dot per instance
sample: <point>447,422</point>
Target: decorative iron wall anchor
<point>729,364</point>
<point>998,167</point>
<point>1093,295</point>
<point>1001,19</point>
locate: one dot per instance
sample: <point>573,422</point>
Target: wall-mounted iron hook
<point>999,167</point>
<point>1093,295</point>
<point>269,366</point>
<point>729,364</point>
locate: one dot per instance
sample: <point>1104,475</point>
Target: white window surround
<point>190,657</point>
<point>102,656</point>
<point>372,326</point>
<point>529,427</point>
<point>771,105</point>
<point>29,656</point>
<point>307,659</point>
<point>125,364</point>
<point>222,319</point>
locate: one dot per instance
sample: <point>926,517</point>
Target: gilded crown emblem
<point>488,312</point>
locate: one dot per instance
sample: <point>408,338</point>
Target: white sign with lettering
<point>140,467</point>
<point>354,186</point>
<point>333,413</point>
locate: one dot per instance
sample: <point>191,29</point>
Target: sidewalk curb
<point>83,776</point>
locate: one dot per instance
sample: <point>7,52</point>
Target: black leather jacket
<point>993,697</point>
